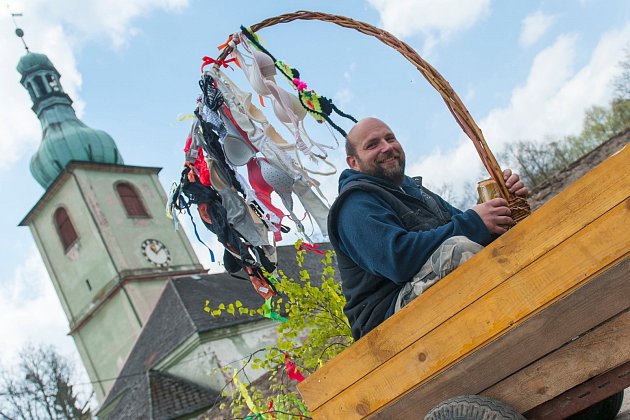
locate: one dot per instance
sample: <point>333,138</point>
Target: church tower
<point>100,227</point>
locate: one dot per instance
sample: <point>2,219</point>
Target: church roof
<point>173,397</point>
<point>66,174</point>
<point>68,141</point>
<point>178,315</point>
<point>64,137</point>
<point>33,61</point>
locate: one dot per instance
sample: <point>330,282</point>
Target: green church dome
<point>68,141</point>
<point>64,137</point>
<point>33,61</point>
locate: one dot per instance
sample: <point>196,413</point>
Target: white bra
<point>273,147</point>
<point>260,70</point>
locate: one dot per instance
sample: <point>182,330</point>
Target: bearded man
<point>393,237</point>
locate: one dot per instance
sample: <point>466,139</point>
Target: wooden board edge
<point>597,351</point>
<point>515,350</point>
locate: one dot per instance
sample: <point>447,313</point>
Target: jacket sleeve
<point>373,236</point>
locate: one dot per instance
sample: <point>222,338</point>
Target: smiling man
<point>393,237</point>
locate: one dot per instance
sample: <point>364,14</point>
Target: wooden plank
<point>531,340</point>
<point>594,353</point>
<point>575,261</point>
<point>584,395</point>
<point>570,211</point>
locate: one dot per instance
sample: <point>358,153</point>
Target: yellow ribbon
<point>243,390</point>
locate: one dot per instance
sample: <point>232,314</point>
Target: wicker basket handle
<point>453,103</point>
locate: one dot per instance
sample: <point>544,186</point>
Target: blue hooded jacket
<point>371,234</point>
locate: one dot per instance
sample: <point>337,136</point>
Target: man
<point>393,237</point>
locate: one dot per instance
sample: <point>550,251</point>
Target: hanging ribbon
<point>305,246</point>
<point>209,60</point>
<point>270,409</point>
<point>195,226</point>
<point>226,43</point>
<point>292,370</point>
<point>243,390</point>
<point>268,312</point>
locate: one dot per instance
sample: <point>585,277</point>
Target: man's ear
<point>352,162</point>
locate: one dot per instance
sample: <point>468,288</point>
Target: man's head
<point>372,148</point>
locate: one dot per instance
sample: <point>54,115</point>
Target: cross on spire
<point>18,31</point>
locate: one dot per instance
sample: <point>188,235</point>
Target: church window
<point>131,200</point>
<point>65,228</point>
<point>39,81</point>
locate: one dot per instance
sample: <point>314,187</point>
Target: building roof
<point>178,315</point>
<point>64,137</point>
<point>172,397</point>
<point>49,194</point>
<point>34,61</point>
<point>70,140</point>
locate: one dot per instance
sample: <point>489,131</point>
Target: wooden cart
<point>539,320</point>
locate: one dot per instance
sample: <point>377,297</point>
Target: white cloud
<point>112,19</point>
<point>343,96</point>
<point>534,27</point>
<point>57,29</point>
<point>437,21</point>
<point>350,71</point>
<point>550,104</point>
<point>30,311</point>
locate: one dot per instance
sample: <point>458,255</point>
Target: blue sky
<point>525,70</point>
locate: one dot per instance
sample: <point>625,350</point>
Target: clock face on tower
<point>156,252</point>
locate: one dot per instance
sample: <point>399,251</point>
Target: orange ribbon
<point>225,44</point>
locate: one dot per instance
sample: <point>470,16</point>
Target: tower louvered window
<point>131,200</point>
<point>65,228</point>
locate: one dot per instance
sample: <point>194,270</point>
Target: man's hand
<point>495,215</point>
<point>514,184</point>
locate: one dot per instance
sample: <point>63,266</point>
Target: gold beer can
<point>488,189</point>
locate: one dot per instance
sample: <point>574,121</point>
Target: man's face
<point>377,152</point>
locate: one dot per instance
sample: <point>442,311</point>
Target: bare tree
<point>39,387</point>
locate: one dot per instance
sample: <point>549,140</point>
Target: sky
<point>525,71</point>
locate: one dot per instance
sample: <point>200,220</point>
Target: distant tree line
<point>40,386</point>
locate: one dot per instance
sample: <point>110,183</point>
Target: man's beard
<point>393,175</point>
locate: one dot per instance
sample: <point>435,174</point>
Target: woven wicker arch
<point>519,206</point>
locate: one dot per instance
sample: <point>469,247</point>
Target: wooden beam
<point>539,335</point>
<point>584,395</point>
<point>573,262</point>
<point>567,213</point>
<point>588,356</point>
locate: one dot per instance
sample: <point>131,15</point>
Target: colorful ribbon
<point>305,246</point>
<point>292,369</point>
<point>209,60</point>
<point>181,197</point>
<point>243,390</point>
<point>268,312</point>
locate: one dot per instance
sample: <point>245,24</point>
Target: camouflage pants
<point>450,255</point>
